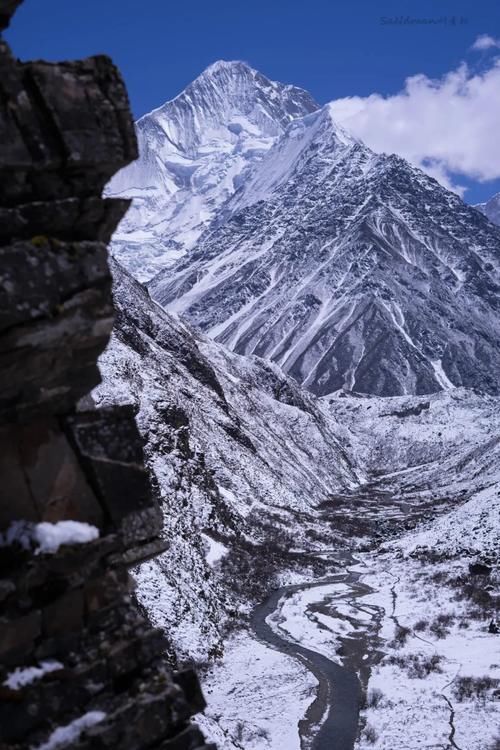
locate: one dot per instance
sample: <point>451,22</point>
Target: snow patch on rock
<point>64,736</point>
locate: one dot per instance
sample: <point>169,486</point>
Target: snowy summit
<point>195,151</point>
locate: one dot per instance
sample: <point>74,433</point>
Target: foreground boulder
<point>80,665</point>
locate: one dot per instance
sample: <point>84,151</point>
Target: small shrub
<point>422,666</point>
<point>445,619</point>
<point>400,636</point>
<point>420,626</point>
<point>374,698</point>
<point>262,734</point>
<point>439,577</point>
<point>239,731</point>
<point>369,734</point>
<point>441,625</point>
<point>466,688</point>
<point>417,666</point>
<point>483,602</point>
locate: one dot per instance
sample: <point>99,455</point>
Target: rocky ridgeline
<point>80,665</point>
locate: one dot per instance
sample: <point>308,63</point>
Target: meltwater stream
<point>339,686</point>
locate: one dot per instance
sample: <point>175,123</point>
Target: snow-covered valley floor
<point>411,620</point>
<point>437,684</point>
<point>256,697</point>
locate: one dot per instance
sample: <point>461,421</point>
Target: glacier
<point>194,153</point>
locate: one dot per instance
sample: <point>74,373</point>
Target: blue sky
<point>334,50</point>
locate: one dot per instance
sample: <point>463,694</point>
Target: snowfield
<point>441,666</point>
<point>256,698</point>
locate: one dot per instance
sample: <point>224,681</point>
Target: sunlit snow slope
<point>194,153</point>
<point>348,269</point>
<point>491,208</point>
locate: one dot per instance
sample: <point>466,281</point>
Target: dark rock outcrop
<point>479,569</point>
<point>80,665</point>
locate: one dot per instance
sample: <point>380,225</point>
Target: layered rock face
<point>80,665</point>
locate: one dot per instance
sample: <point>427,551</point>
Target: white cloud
<point>485,42</point>
<point>444,126</point>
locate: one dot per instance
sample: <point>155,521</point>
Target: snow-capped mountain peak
<point>227,98</point>
<point>279,234</point>
<point>491,208</point>
<point>349,269</point>
<point>195,151</point>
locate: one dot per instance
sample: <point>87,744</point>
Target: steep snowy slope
<point>250,466</point>
<point>446,445</point>
<point>348,269</point>
<point>491,208</point>
<point>240,454</point>
<point>194,153</point>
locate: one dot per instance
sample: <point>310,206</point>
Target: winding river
<point>332,720</point>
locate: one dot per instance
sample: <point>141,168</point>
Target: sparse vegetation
<point>466,688</point>
<point>440,627</point>
<point>420,626</point>
<point>417,666</point>
<point>400,636</point>
<point>439,576</point>
<point>477,590</point>
<point>373,698</point>
<point>369,734</point>
<point>253,568</point>
<point>262,734</point>
<point>239,732</point>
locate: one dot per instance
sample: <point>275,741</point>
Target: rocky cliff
<point>80,665</point>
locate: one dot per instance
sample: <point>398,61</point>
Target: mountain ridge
<point>327,245</point>
<point>491,208</point>
<point>284,236</point>
<point>195,150</point>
